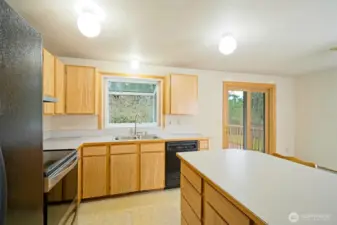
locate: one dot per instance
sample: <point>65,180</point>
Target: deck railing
<point>236,137</point>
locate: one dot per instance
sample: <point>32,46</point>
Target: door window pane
<point>236,119</point>
<point>257,120</point>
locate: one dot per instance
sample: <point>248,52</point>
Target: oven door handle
<point>53,179</point>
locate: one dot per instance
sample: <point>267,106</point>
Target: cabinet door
<point>59,87</point>
<point>94,176</point>
<point>48,73</point>
<point>80,90</point>
<point>79,176</point>
<point>152,171</point>
<point>184,94</point>
<point>212,217</point>
<point>48,81</point>
<point>124,174</point>
<point>48,108</point>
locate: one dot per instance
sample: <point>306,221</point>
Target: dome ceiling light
<point>89,25</point>
<point>227,44</point>
<point>90,18</point>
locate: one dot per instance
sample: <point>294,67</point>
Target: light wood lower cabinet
<point>48,108</point>
<point>187,212</point>
<point>152,171</point>
<point>114,169</point>
<point>123,173</point>
<point>94,176</point>
<point>197,193</point>
<point>183,221</point>
<point>212,217</point>
<point>203,144</point>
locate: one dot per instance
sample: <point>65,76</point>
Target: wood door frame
<point>270,111</point>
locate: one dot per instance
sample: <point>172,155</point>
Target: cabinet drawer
<point>191,195</point>
<point>191,176</point>
<point>183,221</point>
<point>203,144</point>
<point>123,149</point>
<point>152,147</point>
<point>188,214</point>
<point>211,217</point>
<point>224,207</point>
<point>94,150</point>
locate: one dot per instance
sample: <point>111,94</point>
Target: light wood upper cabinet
<point>48,74</point>
<point>152,171</point>
<point>94,176</point>
<point>181,94</point>
<point>59,87</point>
<point>80,90</point>
<point>124,173</point>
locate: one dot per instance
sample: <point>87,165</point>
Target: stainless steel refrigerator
<point>21,169</point>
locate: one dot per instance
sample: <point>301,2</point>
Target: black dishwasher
<point>172,162</point>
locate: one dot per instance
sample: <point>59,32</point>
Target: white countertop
<point>75,142</point>
<point>270,187</point>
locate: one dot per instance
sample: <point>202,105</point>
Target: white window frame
<point>132,80</point>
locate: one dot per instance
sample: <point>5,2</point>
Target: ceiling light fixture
<point>227,44</point>
<point>84,6</point>
<point>89,25</point>
<point>90,16</point>
<point>134,64</point>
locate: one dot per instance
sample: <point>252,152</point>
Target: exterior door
<point>247,118</point>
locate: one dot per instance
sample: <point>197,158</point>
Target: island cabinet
<point>81,90</point>
<point>203,204</point>
<point>181,94</point>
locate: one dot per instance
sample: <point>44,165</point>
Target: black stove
<point>61,187</point>
<point>54,159</point>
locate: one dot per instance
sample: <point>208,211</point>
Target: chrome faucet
<point>135,130</point>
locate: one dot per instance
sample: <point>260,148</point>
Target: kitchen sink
<point>138,137</point>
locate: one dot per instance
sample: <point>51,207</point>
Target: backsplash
<point>85,125</point>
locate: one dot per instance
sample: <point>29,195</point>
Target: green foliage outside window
<point>127,100</point>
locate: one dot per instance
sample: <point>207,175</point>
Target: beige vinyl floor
<point>148,208</point>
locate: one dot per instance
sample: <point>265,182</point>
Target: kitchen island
<point>246,187</point>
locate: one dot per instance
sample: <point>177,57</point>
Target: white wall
<point>209,119</point>
<point>316,118</point>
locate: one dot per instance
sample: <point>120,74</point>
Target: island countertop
<point>269,187</point>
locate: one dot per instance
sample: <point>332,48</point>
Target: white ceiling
<point>279,37</point>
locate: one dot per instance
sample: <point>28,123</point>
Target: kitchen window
<point>129,99</point>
